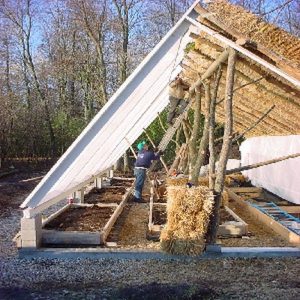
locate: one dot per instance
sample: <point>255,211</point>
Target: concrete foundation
<point>31,232</point>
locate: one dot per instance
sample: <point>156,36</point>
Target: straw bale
<point>253,27</point>
<point>188,212</point>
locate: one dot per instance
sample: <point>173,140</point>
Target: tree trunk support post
<point>212,124</point>
<point>227,141</point>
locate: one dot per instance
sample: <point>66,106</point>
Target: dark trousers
<point>140,176</point>
<point>176,108</point>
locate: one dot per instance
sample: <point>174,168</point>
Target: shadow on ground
<point>163,291</point>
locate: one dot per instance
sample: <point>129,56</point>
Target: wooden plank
<point>283,231</point>
<point>70,237</point>
<point>56,214</point>
<point>124,178</point>
<point>246,189</point>
<point>107,228</point>
<point>150,223</point>
<point>235,216</point>
<point>91,205</point>
<point>295,209</point>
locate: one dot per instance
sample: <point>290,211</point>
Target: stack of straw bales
<point>188,211</point>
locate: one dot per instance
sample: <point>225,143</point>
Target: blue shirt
<point>145,157</point>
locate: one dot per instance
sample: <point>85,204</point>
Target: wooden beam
<point>160,158</point>
<point>107,228</point>
<point>291,209</point>
<point>287,234</point>
<point>254,124</point>
<point>246,189</point>
<point>220,178</point>
<point>264,163</point>
<point>56,214</point>
<point>209,72</point>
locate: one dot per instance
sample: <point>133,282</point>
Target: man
<point>177,90</point>
<point>143,162</point>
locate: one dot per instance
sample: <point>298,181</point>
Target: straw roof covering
<point>257,88</point>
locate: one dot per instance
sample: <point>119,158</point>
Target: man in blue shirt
<point>143,162</point>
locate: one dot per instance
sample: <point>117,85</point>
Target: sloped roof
<point>144,94</point>
<point>119,123</point>
<point>262,87</point>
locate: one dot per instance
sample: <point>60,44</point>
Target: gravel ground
<point>132,279</point>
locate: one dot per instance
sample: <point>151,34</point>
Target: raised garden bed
<point>105,195</point>
<point>230,224</point>
<point>86,224</point>
<point>82,218</point>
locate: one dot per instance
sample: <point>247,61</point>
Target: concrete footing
<point>79,196</point>
<point>31,232</point>
<point>98,182</point>
<point>141,254</point>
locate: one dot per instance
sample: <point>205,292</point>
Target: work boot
<point>138,200</point>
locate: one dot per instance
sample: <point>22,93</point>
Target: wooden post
<point>209,72</point>
<point>212,154</point>
<point>204,140</point>
<point>131,148</point>
<point>195,131</point>
<point>177,159</point>
<point>219,184</point>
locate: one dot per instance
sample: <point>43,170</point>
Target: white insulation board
<point>282,178</point>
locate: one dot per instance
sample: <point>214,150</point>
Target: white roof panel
<point>133,107</point>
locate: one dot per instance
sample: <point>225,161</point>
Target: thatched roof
<point>268,42</point>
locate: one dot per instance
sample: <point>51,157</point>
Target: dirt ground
<point>133,279</point>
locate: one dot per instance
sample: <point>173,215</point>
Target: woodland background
<point>61,60</point>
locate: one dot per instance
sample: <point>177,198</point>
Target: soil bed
<point>159,215</point>
<point>160,200</point>
<point>82,219</point>
<point>106,195</point>
<point>119,182</point>
<point>225,216</point>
